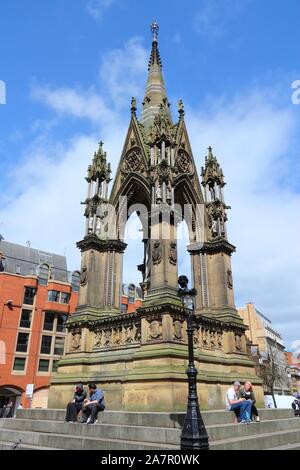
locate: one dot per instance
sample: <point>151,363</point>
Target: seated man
<point>93,405</point>
<point>238,405</point>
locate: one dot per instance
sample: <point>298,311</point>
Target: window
<point>18,269</point>
<point>48,321</point>
<point>75,281</point>
<point>22,343</point>
<point>56,296</point>
<point>59,346</point>
<point>54,366</point>
<point>44,365</point>
<point>64,297</point>
<point>25,321</point>
<point>123,308</point>
<point>29,295</point>
<point>61,323</point>
<point>46,344</point>
<point>53,296</point>
<point>19,363</point>
<point>44,272</point>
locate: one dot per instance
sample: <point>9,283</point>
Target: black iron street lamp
<point>194,435</point>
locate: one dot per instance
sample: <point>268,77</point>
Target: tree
<point>270,371</point>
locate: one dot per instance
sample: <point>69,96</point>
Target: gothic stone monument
<point>140,359</point>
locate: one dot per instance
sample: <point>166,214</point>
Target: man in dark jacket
<point>76,404</point>
<point>93,405</point>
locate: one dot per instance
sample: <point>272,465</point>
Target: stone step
<point>71,442</point>
<point>167,420</point>
<point>295,446</point>
<point>146,434</point>
<point>262,441</point>
<point>9,446</point>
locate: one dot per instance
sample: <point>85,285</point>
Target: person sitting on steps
<point>93,405</point>
<point>247,392</point>
<point>238,405</point>
<point>75,406</point>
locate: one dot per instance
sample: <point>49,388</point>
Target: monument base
<point>140,360</point>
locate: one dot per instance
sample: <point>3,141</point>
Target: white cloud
<point>77,103</point>
<point>123,72</point>
<point>254,141</point>
<point>96,8</point>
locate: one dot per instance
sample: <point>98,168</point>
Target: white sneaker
<point>257,419</point>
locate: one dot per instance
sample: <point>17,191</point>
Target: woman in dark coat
<point>247,392</point>
<point>76,404</point>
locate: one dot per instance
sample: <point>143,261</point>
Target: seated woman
<point>247,392</point>
<point>76,404</point>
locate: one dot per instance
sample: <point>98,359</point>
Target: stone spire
<point>155,94</point>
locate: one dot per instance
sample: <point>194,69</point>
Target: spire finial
<point>154,29</point>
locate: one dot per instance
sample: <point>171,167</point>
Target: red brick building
<point>36,296</point>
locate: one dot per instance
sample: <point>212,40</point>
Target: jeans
<point>92,411</point>
<point>244,408</point>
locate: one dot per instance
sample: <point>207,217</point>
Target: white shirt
<point>230,395</point>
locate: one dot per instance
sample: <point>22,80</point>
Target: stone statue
<point>229,279</point>
<point>158,194</point>
<point>84,276</point>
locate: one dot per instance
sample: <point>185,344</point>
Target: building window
<point>46,344</point>
<point>61,323</point>
<point>64,297</point>
<point>18,269</point>
<point>53,296</point>
<point>19,363</point>
<point>44,365</point>
<point>59,346</point>
<point>55,366</point>
<point>26,316</point>
<point>75,281</point>
<point>44,273</point>
<point>48,321</point>
<point>123,308</point>
<point>22,343</point>
<point>57,296</point>
<point>29,295</point>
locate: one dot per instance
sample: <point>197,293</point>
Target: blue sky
<point>71,67</point>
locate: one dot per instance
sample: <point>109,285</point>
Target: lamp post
<point>194,435</point>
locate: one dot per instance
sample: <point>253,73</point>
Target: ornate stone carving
<point>238,342</point>
<point>84,276</point>
<point>212,339</point>
<point>205,334</point>
<point>155,330</point>
<point>157,253</point>
<point>107,335</point>
<point>132,160</point>
<point>220,339</point>
<point>177,330</point>
<point>173,253</point>
<point>184,162</point>
<point>118,337</point>
<point>75,341</point>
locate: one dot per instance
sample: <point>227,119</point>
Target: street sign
<point>29,390</point>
